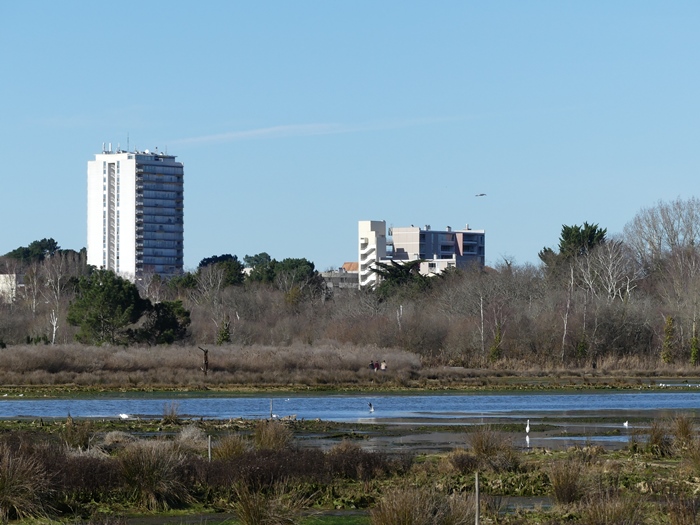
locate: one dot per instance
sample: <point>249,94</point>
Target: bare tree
<point>567,309</point>
<point>297,281</point>
<point>53,323</point>
<point>659,230</point>
<point>608,272</point>
<point>55,273</point>
<point>152,286</point>
<point>32,286</point>
<point>211,281</point>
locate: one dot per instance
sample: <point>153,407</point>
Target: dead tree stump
<point>205,367</point>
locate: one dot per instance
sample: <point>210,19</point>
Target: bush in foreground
<point>272,435</point>
<point>422,506</point>
<point>278,506</point>
<point>566,479</point>
<point>492,450</point>
<point>606,509</point>
<point>152,472</point>
<point>23,482</point>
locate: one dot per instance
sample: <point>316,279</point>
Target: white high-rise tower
<point>135,213</point>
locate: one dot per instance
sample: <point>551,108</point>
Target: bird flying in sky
<point>480,195</point>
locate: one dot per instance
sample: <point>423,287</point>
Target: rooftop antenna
<point>127,141</point>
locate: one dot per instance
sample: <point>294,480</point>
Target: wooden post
<point>205,367</point>
<point>209,447</point>
<point>476,498</point>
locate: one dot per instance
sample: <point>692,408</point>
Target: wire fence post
<point>476,497</point>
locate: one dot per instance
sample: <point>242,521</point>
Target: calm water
<point>356,407</point>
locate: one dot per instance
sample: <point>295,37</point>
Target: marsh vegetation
<point>265,472</point>
<point>329,366</point>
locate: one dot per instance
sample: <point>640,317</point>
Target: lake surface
<point>436,408</point>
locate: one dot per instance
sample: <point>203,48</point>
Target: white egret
<point>527,427</point>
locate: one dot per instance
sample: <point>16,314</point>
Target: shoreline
<point>496,384</point>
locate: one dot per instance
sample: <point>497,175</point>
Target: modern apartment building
<point>135,213</point>
<point>372,248</point>
<point>438,249</point>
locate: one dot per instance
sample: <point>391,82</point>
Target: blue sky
<point>297,119</point>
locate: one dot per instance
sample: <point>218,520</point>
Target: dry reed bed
<point>182,365</point>
<point>322,365</point>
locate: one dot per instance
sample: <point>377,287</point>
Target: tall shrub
<point>669,343</point>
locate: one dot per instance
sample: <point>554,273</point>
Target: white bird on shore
<point>527,427</point>
<point>626,424</point>
<point>124,416</point>
<point>371,408</point>
<point>527,440</point>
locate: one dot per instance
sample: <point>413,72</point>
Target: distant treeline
<point>593,297</point>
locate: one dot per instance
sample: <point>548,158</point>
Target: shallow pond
<point>420,408</point>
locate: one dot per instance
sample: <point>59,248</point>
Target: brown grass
<point>115,440</point>
<point>606,509</point>
<point>683,432</point>
<point>279,506</point>
<point>682,510</point>
<point>229,446</point>
<point>493,450</point>
<point>691,456</point>
<point>77,434</point>
<point>422,506</point>
<point>177,366</point>
<point>271,435</point>
<point>462,461</point>
<point>349,460</point>
<point>192,439</point>
<point>152,472</point>
<point>321,363</point>
<point>659,443</point>
<point>171,413</point>
<point>567,481</point>
<point>23,482</point>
